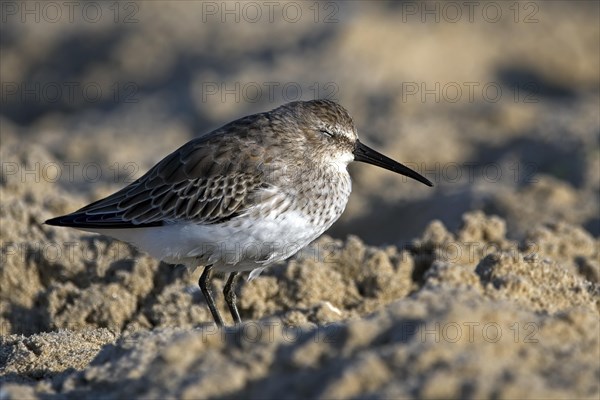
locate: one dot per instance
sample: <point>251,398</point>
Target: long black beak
<point>367,155</point>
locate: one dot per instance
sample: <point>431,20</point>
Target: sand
<point>463,314</point>
<point>486,286</point>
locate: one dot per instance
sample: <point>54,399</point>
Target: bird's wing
<point>205,181</point>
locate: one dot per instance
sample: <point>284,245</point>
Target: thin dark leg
<point>230,297</point>
<point>203,283</point>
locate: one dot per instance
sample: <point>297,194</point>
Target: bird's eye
<point>326,133</point>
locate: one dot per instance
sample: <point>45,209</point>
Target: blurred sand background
<point>485,286</point>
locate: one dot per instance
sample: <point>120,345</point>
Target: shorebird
<point>242,197</point>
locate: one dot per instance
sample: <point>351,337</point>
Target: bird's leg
<point>230,297</point>
<point>203,283</point>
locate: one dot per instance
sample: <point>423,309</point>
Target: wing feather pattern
<point>206,181</point>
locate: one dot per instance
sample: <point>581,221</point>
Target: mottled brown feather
<point>200,182</point>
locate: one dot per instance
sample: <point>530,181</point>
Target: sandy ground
<point>486,286</point>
